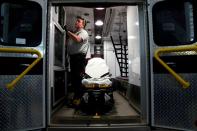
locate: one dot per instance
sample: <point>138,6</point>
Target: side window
<point>20,24</point>
<point>173,23</point>
<point>61,16</point>
<point>59,39</point>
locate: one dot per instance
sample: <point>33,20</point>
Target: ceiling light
<point>98,47</point>
<point>98,37</point>
<point>137,23</point>
<point>99,23</point>
<point>100,8</point>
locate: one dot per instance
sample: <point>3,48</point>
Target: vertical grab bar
<point>11,85</point>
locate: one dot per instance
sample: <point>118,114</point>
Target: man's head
<point>80,22</point>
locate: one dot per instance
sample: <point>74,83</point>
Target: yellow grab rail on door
<point>11,85</point>
<point>175,49</point>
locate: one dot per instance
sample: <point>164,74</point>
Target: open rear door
<point>172,25</point>
<point>22,58</point>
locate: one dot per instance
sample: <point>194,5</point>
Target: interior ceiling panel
<point>99,15</point>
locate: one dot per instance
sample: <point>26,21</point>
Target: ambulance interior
<point>143,92</point>
<point>119,46</point>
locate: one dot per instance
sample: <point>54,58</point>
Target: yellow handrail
<point>11,85</point>
<point>175,49</point>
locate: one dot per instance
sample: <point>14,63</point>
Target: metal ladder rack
<point>121,52</point>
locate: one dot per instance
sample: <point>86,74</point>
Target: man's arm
<point>75,37</point>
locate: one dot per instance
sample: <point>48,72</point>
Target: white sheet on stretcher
<point>96,67</point>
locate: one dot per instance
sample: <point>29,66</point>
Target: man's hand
<point>65,28</point>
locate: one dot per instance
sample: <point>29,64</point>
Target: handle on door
<point>171,71</point>
<point>11,85</point>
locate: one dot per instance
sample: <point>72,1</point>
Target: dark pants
<point>77,65</point>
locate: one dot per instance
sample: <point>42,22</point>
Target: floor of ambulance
<point>121,112</point>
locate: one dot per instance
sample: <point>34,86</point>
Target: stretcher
<point>97,88</point>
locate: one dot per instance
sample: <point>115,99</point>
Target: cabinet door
<point>21,33</point>
<point>172,27</point>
